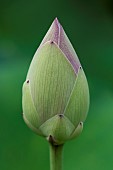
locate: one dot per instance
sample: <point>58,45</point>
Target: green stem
<point>56,157</point>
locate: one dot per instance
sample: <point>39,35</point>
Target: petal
<point>78,104</point>
<point>77,131</point>
<point>30,114</point>
<point>59,127</point>
<point>52,79</point>
<point>58,35</point>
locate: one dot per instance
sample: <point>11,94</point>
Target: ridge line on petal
<point>59,31</point>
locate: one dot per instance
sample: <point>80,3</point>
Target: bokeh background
<point>89,25</point>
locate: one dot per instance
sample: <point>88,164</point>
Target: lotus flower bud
<point>55,94</point>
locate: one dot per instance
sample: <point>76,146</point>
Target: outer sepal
<point>78,104</point>
<point>77,131</point>
<point>30,114</point>
<point>59,127</point>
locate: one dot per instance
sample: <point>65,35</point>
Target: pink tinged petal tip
<point>57,34</point>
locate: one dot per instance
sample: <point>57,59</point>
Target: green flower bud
<point>55,94</point>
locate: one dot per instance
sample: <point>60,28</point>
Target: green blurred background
<point>89,25</point>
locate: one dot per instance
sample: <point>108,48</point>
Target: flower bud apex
<point>55,94</point>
